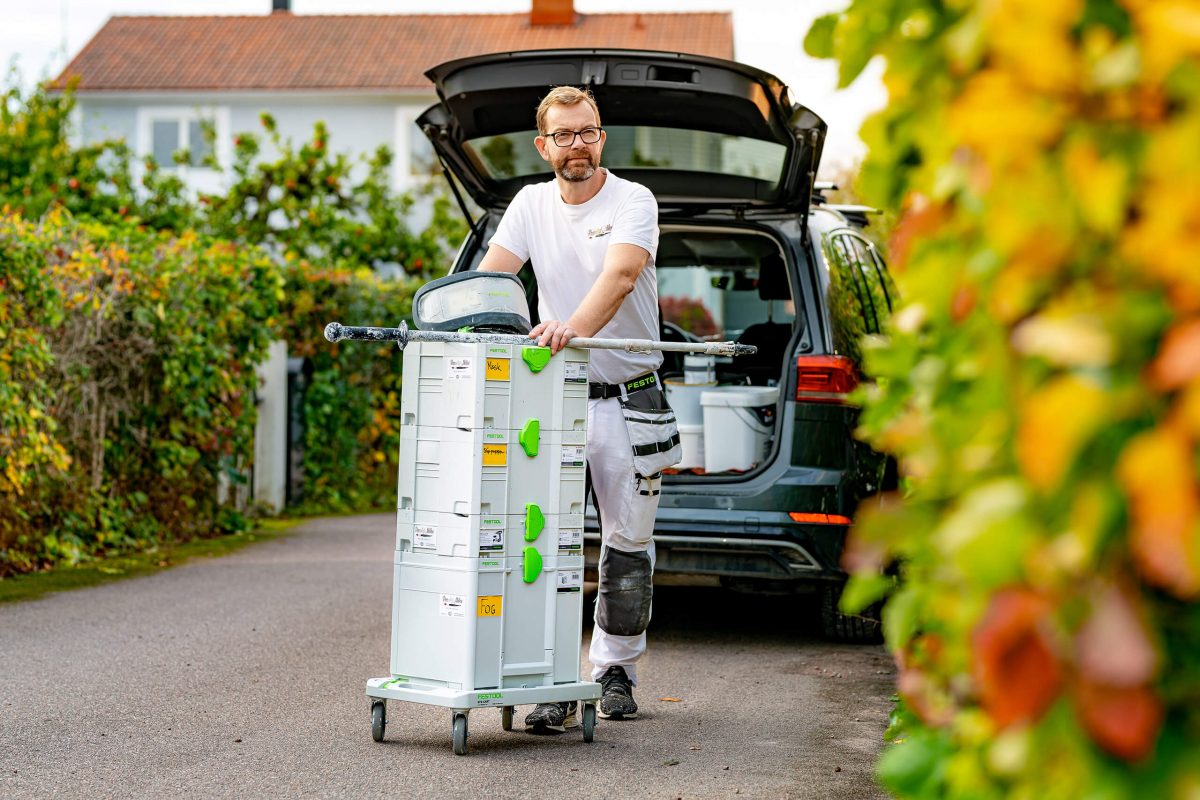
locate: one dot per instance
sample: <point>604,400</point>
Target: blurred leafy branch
<point>1040,387</point>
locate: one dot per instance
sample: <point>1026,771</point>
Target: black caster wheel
<point>460,734</point>
<point>378,719</point>
<point>589,722</point>
<point>506,715</point>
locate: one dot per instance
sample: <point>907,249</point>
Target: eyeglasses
<point>567,138</point>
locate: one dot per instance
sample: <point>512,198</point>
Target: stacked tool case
<point>487,592</point>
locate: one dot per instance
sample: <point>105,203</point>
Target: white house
<point>151,79</point>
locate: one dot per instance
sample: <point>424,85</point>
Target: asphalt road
<point>243,677</point>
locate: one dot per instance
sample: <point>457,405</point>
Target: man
<point>591,238</point>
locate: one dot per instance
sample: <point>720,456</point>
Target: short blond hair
<point>564,96</point>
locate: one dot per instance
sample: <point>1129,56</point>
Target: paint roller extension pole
<point>336,332</point>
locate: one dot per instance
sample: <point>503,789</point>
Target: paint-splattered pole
<point>336,332</point>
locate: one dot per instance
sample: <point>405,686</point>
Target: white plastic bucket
<point>685,400</point>
<point>691,437</point>
<point>700,368</point>
<point>734,438</point>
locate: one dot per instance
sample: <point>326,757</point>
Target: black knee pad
<point>626,589</point>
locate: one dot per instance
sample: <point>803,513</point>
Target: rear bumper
<point>771,552</point>
<point>742,530</point>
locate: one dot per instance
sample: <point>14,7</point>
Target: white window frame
<point>403,177</point>
<point>184,115</point>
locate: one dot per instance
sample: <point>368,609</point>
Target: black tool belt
<point>603,391</point>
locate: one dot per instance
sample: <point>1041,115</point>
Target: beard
<point>577,172</point>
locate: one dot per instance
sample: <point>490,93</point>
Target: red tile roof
<point>285,51</point>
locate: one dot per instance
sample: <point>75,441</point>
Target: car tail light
<point>819,519</point>
<point>824,379</point>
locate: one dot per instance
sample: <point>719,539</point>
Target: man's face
<point>577,161</point>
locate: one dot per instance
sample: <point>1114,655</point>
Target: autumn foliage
<point>133,315</point>
<point>1040,389</point>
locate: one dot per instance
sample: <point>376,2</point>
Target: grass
<point>94,573</point>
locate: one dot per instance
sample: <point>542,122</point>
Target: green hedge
<point>352,403</point>
<point>130,377</point>
<point>127,343</point>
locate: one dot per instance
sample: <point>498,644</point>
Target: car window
<point>513,155</point>
<point>717,303</point>
<point>850,315</point>
<point>885,277</point>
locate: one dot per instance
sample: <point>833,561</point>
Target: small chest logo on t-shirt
<point>595,233</point>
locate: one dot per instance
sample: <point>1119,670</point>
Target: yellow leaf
<point>1188,408</point>
<point>1055,421</point>
<point>1170,32</point>
<point>1099,186</point>
<point>1074,340</point>
<point>1155,470</point>
<point>1001,120</point>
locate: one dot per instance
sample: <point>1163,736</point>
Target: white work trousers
<point>626,520</point>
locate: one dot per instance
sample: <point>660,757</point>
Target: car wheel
<point>861,628</point>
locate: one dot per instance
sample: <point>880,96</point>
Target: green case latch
<point>528,437</point>
<point>535,521</point>
<point>532,564</point>
<point>536,357</point>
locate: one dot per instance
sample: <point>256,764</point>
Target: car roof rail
<point>819,190</point>
<point>855,214</point>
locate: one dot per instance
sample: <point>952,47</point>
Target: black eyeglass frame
<point>554,136</point>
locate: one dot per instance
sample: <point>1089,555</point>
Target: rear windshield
<point>513,155</point>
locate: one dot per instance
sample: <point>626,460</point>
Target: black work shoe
<point>617,700</point>
<point>552,717</point>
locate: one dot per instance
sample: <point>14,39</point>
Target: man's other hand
<point>553,332</point>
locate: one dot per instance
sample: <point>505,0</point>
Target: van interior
<point>722,285</point>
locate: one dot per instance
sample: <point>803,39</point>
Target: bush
<point>306,202</point>
<point>352,405</point>
<point>139,384</point>
<point>306,206</point>
<point>1041,390</point>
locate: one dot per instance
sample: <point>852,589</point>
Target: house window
<point>170,135</point>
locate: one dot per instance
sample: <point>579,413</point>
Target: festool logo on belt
<point>638,384</point>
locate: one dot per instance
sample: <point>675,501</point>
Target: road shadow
<point>706,615</point>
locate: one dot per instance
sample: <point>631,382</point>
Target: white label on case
<point>572,455</point>
<point>491,540</point>
<point>570,580</point>
<point>459,369</point>
<point>453,605</point>
<point>570,539</point>
<point>575,372</point>
<point>424,536</point>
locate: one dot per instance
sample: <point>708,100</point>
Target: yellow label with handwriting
<point>497,369</point>
<point>495,455</point>
<point>489,606</point>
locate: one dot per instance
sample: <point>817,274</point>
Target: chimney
<point>281,6</point>
<point>551,12</point>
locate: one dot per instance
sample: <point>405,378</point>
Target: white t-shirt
<point>567,244</point>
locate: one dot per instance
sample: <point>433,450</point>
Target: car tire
<point>861,628</point>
